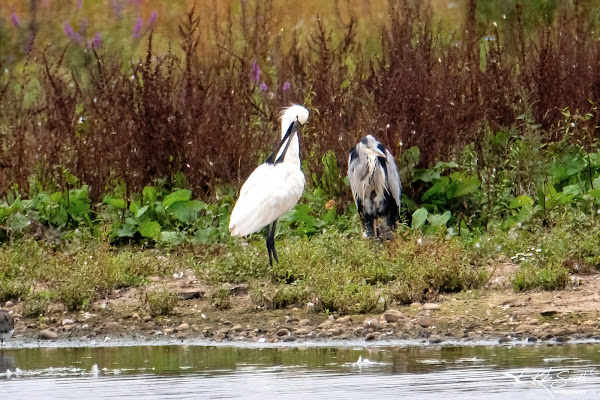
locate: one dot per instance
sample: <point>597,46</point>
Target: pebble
<point>168,331</point>
<point>562,339</point>
<point>302,331</point>
<point>337,331</point>
<point>238,328</point>
<point>431,306</point>
<point>282,332</point>
<point>371,323</point>
<point>67,321</point>
<point>328,323</point>
<point>47,335</point>
<point>147,318</point>
<point>524,329</point>
<point>344,320</point>
<point>112,325</point>
<point>304,322</point>
<point>392,315</point>
<point>183,327</point>
<point>415,305</point>
<point>370,337</point>
<point>424,321</point>
<point>9,304</point>
<point>532,339</point>
<point>226,322</point>
<point>504,340</point>
<point>289,338</point>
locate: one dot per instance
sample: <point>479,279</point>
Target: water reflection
<point>235,372</point>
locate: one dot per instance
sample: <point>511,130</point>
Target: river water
<point>305,371</point>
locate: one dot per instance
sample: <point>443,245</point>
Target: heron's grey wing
<point>353,177</point>
<point>393,177</point>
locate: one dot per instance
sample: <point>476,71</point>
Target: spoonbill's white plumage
<point>274,187</point>
<point>375,185</point>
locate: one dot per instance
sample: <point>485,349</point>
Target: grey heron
<point>375,186</point>
<point>274,187</point>
<point>7,326</point>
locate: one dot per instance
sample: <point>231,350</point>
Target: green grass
<point>335,271</point>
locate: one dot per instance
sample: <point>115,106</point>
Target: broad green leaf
<point>117,203</point>
<point>171,237</point>
<point>149,195</point>
<point>595,193</point>
<point>425,175</point>
<point>79,207</point>
<point>418,218</point>
<point>463,187</point>
<point>140,211</point>
<point>439,188</point>
<point>439,220</point>
<point>149,229</point>
<point>412,156</point>
<point>521,201</point>
<point>17,222</point>
<point>187,211</point>
<point>125,230</point>
<point>179,195</point>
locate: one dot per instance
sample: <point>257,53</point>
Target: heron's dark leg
<point>369,225</point>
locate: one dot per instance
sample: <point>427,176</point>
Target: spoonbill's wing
<point>269,192</point>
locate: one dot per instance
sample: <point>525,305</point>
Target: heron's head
<point>370,147</point>
<point>292,114</point>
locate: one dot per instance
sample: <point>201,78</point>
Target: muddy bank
<point>495,313</point>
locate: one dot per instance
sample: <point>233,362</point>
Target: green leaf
<point>439,220</point>
<point>462,187</point>
<point>140,211</point>
<point>521,201</point>
<point>78,207</point>
<point>149,195</point>
<point>117,203</point>
<point>17,222</point>
<point>125,230</point>
<point>438,188</point>
<point>418,218</point>
<point>187,211</point>
<point>595,193</point>
<point>179,195</point>
<point>150,229</point>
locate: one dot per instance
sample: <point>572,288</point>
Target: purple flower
<point>153,16</point>
<point>255,71</point>
<point>137,28</point>
<point>117,6</point>
<point>14,19</point>
<point>97,42</point>
<point>68,30</point>
<point>286,86</point>
<point>263,87</point>
<point>79,4</point>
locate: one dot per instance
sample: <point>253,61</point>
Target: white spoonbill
<point>375,185</point>
<point>274,187</point>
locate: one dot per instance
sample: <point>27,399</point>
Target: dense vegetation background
<point>136,122</point>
